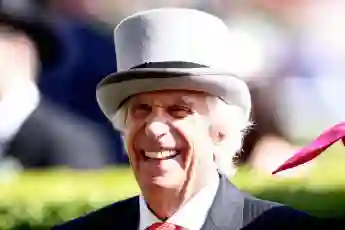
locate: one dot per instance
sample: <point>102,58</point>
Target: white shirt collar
<point>19,101</point>
<point>191,216</point>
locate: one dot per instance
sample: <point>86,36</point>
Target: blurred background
<point>60,157</point>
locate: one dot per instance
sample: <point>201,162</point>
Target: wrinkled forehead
<point>166,97</point>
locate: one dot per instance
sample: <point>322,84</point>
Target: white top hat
<point>171,48</point>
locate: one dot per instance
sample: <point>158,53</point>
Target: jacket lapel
<point>226,211</point>
<point>125,216</point>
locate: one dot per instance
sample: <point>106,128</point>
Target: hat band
<point>150,65</point>
<point>169,64</point>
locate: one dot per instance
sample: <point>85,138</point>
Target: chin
<point>164,182</point>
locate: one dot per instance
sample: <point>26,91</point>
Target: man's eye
<point>140,110</point>
<point>179,111</point>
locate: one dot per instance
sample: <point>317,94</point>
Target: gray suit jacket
<point>231,210</point>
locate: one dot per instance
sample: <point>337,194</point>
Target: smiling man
<point>183,115</point>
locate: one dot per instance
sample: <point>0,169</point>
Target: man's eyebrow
<point>183,101</point>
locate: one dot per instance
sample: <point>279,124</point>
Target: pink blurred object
<point>320,144</point>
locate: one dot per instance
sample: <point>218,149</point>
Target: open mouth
<point>160,155</point>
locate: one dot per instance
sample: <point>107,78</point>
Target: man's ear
<point>216,135</point>
<point>220,136</point>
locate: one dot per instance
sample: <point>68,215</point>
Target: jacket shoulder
<point>107,217</point>
<point>265,214</point>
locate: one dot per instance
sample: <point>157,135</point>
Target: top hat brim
<point>116,88</point>
<point>40,29</point>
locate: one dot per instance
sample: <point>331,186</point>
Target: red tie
<point>319,145</point>
<point>164,226</point>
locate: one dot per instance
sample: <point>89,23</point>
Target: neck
<point>164,203</point>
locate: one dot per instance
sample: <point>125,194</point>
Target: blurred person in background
<point>310,90</point>
<point>34,131</point>
<point>182,114</point>
<point>86,56</point>
<point>322,57</point>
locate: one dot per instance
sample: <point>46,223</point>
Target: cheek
<point>197,134</point>
<point>131,128</point>
<point>129,134</point>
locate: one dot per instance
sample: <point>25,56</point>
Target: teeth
<point>161,154</point>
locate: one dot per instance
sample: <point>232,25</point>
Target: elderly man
<point>182,116</point>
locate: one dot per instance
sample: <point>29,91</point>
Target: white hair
<point>232,123</point>
<point>229,120</point>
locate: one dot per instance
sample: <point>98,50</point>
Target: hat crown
<point>170,35</point>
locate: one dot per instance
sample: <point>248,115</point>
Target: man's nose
<point>156,129</point>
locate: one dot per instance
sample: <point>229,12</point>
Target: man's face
<point>168,139</point>
<point>15,48</point>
